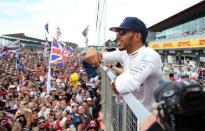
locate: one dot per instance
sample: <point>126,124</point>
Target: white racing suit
<point>142,72</point>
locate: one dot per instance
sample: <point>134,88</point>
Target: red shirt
<point>58,126</point>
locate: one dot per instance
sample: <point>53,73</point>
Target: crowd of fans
<point>178,73</point>
<point>73,102</point>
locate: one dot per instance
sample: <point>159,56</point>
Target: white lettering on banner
<point>202,59</point>
<point>172,51</point>
<point>188,51</point>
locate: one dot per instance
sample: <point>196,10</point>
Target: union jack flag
<point>19,64</point>
<point>59,53</point>
<point>13,47</point>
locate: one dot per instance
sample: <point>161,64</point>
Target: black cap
<point>132,24</point>
<point>68,112</point>
<point>35,109</point>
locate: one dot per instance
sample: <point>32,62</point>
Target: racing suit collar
<point>135,52</point>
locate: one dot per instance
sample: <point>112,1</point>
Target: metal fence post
<point>120,117</point>
<point>124,116</point>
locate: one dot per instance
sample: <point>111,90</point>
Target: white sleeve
<point>133,78</point>
<point>112,57</point>
<point>63,121</point>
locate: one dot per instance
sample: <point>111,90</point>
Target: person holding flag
<point>59,53</point>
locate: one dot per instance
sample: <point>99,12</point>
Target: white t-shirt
<point>142,72</point>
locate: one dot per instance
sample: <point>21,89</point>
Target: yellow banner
<point>192,43</point>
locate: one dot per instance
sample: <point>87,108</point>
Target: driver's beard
<point>124,46</point>
<point>121,49</point>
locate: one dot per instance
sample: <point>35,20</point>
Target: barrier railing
<point>120,116</point>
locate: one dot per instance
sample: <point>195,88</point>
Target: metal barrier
<point>119,116</point>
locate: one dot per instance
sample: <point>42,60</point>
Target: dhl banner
<point>191,43</point>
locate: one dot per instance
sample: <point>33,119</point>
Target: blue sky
<point>72,16</point>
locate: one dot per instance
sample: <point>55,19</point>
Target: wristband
<point>111,66</point>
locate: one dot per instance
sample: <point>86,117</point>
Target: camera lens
<point>168,93</point>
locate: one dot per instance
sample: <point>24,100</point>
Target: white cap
<point>73,104</point>
<point>11,86</point>
<point>89,99</point>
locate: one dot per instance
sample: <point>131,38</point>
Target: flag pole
<point>48,87</point>
<point>49,76</point>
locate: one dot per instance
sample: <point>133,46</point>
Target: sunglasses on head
<point>41,122</point>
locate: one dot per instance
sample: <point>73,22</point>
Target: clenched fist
<point>93,57</point>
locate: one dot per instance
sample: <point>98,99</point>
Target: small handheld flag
<point>85,34</point>
<point>46,27</point>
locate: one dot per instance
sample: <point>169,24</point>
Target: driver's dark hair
<point>143,39</point>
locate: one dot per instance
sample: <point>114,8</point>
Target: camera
<point>21,119</point>
<point>181,105</point>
